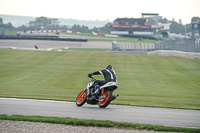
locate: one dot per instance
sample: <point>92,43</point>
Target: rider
<point>109,76</point>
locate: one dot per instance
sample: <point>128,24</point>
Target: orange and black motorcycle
<point>103,98</point>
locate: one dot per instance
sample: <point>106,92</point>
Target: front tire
<point>103,103</point>
<point>81,98</point>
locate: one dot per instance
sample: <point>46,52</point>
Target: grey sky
<point>102,9</point>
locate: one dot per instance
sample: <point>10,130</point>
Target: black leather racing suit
<point>109,75</point>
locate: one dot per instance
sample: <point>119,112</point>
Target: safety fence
<point>177,44</point>
<point>183,44</point>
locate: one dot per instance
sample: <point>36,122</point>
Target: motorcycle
<point>103,98</point>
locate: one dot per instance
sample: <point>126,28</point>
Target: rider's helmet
<point>108,67</point>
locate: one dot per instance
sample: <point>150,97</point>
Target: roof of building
<point>154,14</point>
<point>130,20</point>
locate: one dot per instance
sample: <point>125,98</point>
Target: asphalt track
<point>45,44</point>
<point>130,114</point>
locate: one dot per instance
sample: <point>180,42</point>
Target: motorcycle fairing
<point>89,85</point>
<point>110,84</point>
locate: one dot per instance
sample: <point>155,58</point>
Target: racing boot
<point>115,96</point>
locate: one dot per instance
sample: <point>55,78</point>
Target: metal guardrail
<point>127,46</point>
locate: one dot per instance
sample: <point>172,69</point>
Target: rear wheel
<point>105,101</point>
<point>81,98</point>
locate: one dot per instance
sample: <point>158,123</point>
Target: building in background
<point>148,25</point>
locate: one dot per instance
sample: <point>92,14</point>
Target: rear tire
<point>106,101</point>
<point>81,98</point>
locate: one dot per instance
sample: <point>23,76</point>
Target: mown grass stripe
<point>152,81</point>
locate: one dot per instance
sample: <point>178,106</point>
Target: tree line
<point>53,23</point>
<point>5,26</point>
<point>178,27</point>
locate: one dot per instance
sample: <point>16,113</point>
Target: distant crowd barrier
<point>34,37</point>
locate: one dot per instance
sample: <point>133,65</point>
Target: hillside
<point>24,20</point>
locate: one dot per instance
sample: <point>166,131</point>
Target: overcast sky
<point>102,9</point>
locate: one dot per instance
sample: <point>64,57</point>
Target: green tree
<point>106,29</point>
<point>82,29</point>
<point>164,34</point>
<point>194,19</point>
<point>1,23</point>
<point>164,20</point>
<point>54,22</point>
<point>1,20</point>
<point>180,21</point>
<point>47,23</point>
<point>7,26</point>
<point>23,28</point>
<point>188,28</point>
<point>176,27</point>
<point>43,21</point>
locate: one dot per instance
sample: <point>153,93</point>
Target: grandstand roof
<point>149,14</point>
<point>130,20</point>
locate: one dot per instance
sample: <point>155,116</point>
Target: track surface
<point>130,114</point>
<point>44,45</point>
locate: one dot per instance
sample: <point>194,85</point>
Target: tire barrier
<point>32,37</point>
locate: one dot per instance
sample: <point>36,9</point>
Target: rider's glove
<point>90,74</point>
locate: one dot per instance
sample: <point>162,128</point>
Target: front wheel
<point>81,98</point>
<point>104,102</point>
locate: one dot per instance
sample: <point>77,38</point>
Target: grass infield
<point>110,39</point>
<point>152,81</point>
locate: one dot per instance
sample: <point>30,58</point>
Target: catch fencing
<point>183,44</point>
<point>177,44</point>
